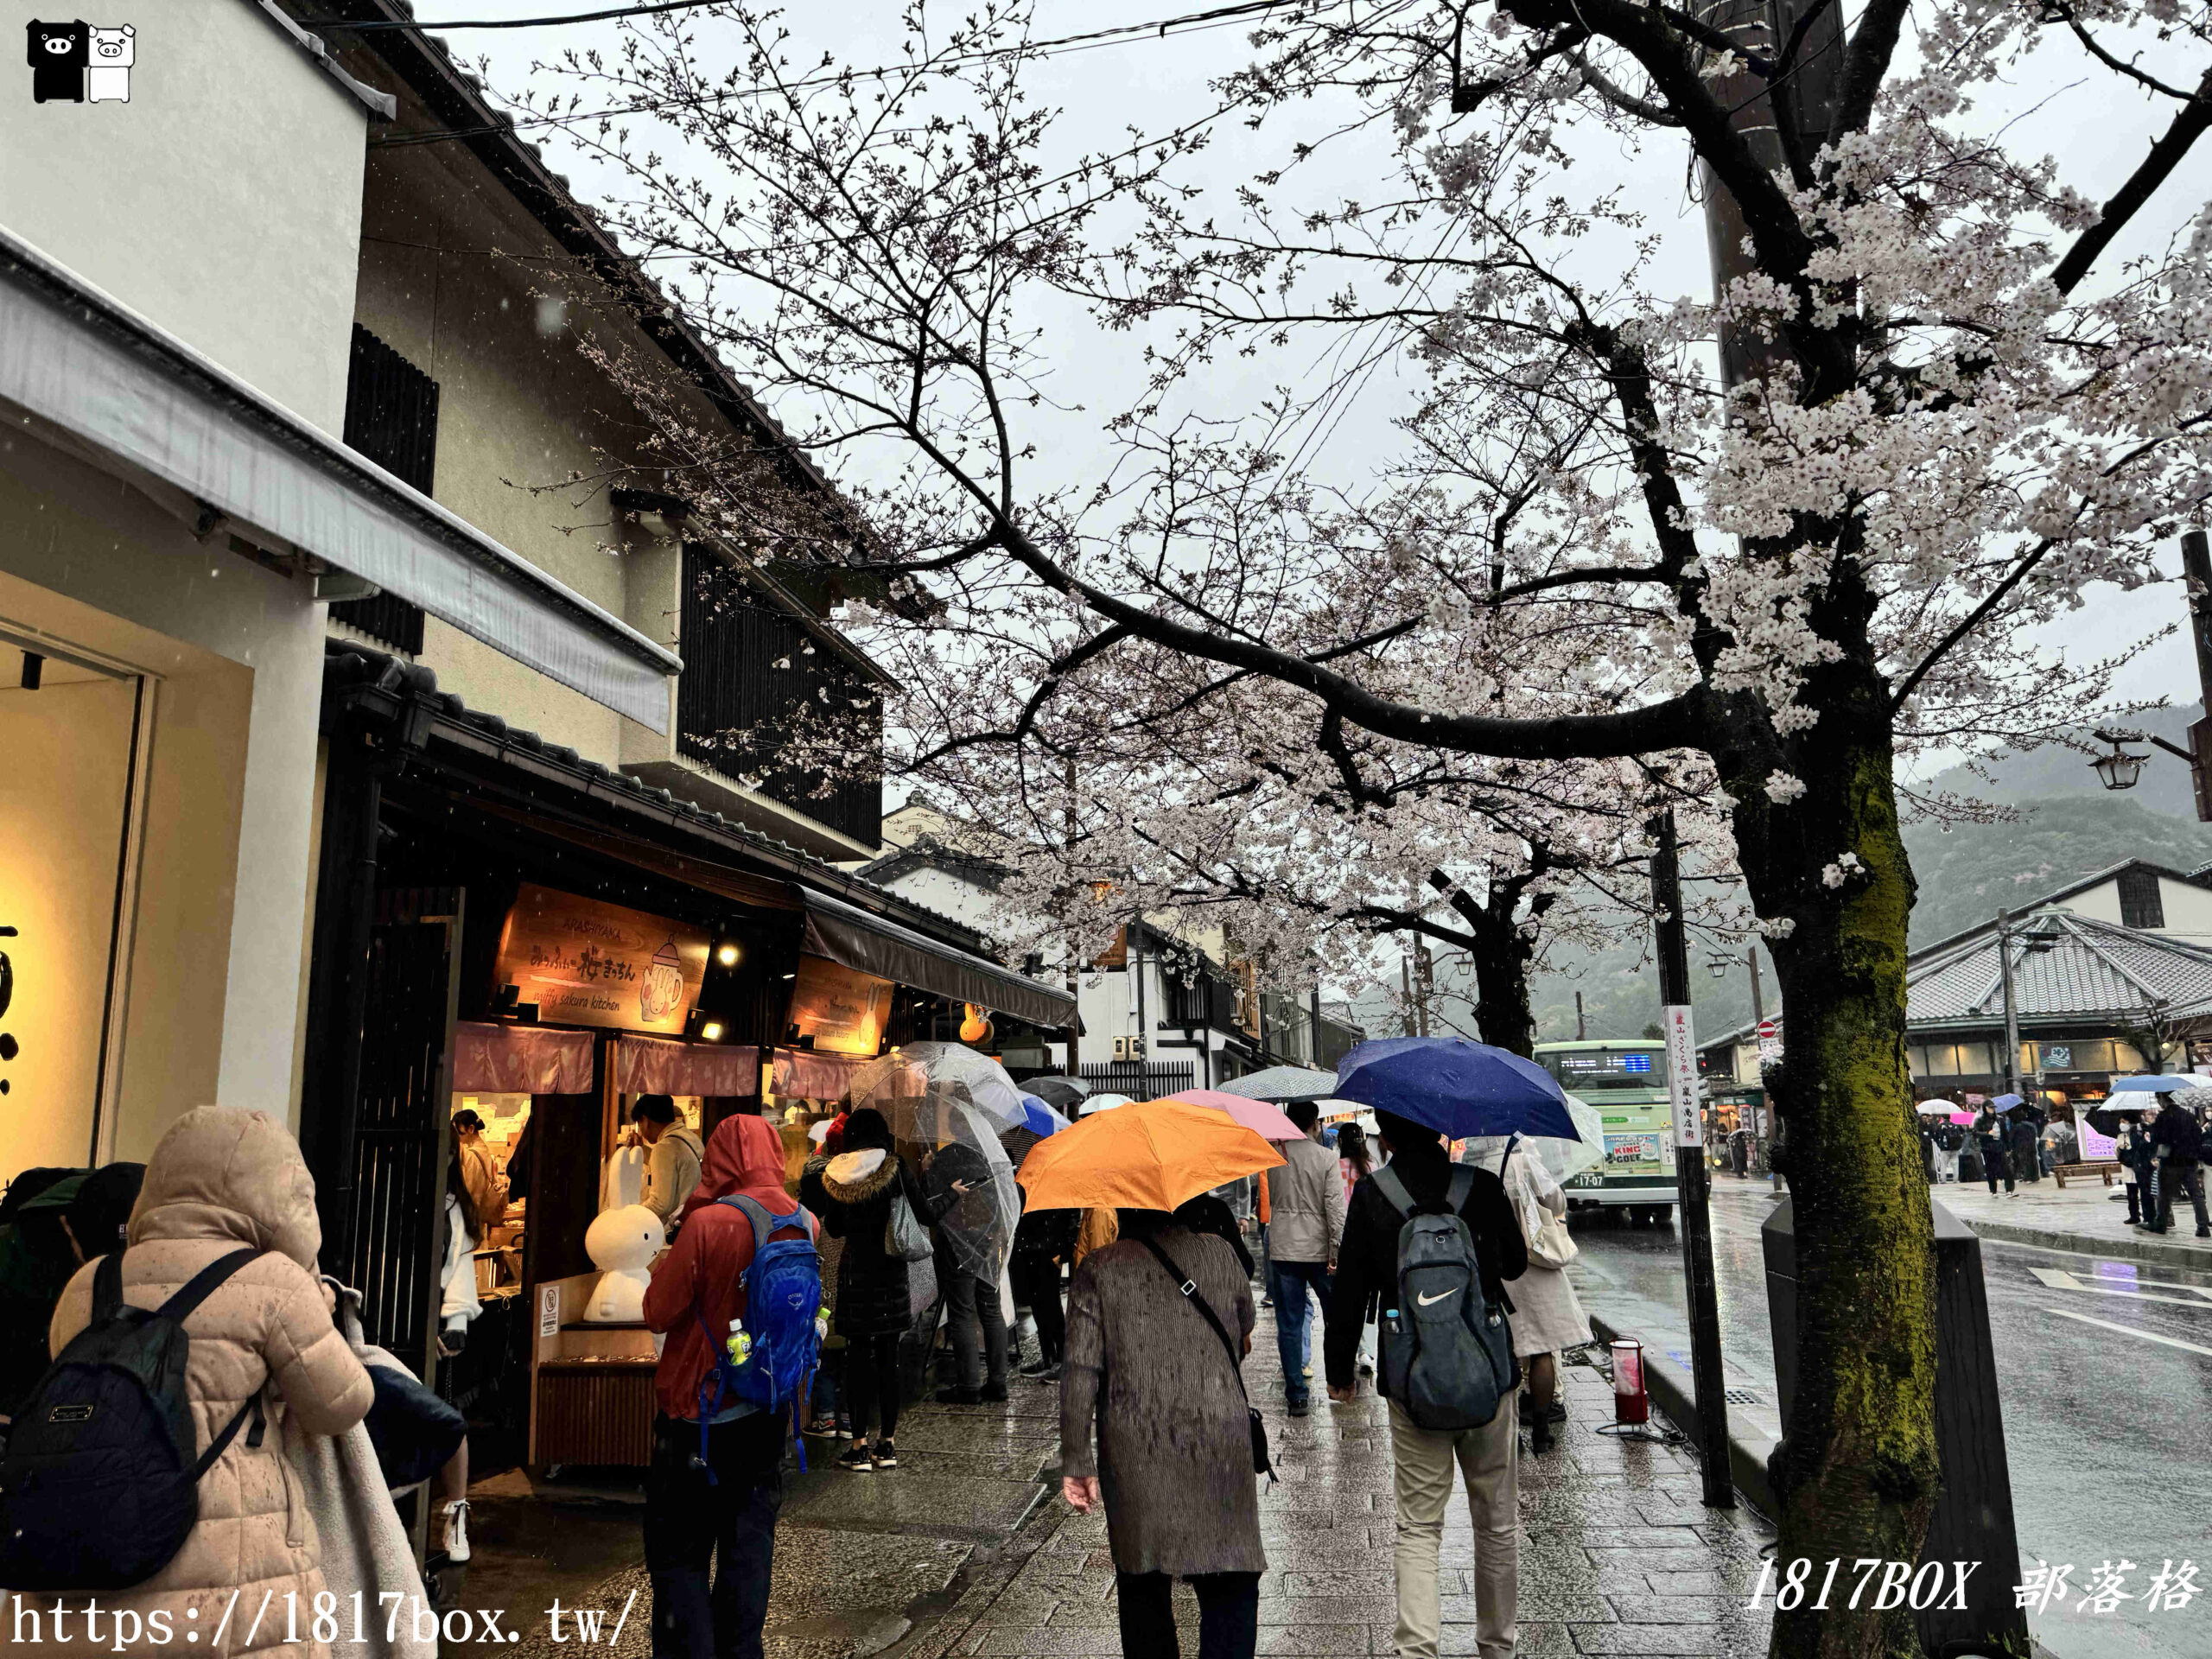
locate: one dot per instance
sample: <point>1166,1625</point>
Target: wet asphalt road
<point>2087,1486</point>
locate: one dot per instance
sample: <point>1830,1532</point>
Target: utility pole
<point>1693,1178</point>
<point>2011,1011</point>
<point>1406,994</point>
<point>1581,1030</point>
<point>1759,1047</point>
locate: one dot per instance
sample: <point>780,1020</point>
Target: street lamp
<point>1718,966</point>
<point>2119,770</point>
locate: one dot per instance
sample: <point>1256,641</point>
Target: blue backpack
<point>783,1299</point>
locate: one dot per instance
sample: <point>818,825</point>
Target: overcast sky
<point>1153,83</point>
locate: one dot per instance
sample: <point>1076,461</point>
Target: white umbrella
<point>1937,1107</point>
<point>1104,1103</point>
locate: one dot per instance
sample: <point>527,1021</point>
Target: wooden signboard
<point>588,963</point>
<point>842,1008</point>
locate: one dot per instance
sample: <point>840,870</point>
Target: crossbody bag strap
<point>1189,1288</point>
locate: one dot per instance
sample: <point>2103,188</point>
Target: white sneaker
<point>456,1544</point>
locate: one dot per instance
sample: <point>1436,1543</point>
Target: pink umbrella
<point>1264,1120</point>
<point>1962,1117</point>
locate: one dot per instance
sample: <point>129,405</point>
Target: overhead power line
<point>613,13</point>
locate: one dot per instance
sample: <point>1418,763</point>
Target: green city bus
<point>1625,1082</point>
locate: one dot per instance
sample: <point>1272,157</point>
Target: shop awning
<point>71,355</point>
<point>873,945</point>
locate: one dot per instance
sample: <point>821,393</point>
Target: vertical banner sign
<point>1681,1076</point>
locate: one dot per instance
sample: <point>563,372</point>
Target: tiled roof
<point>2092,968</point>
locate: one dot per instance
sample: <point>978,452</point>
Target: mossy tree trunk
<point>1858,1474</point>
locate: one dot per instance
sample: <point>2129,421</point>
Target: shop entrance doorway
<point>70,743</point>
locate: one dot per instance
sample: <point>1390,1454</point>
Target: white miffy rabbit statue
<point>621,1243</point>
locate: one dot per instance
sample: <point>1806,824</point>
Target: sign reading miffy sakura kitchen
<point>588,963</point>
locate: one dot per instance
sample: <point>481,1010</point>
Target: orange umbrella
<point>1152,1156</point>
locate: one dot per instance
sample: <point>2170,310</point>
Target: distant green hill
<point>2069,827</point>
<point>1967,876</point>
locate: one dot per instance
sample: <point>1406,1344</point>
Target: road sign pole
<point>1693,1179</point>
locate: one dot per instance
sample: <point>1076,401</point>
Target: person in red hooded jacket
<point>689,1519</point>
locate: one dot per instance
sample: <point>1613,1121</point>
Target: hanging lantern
<point>1631,1403</point>
<point>2119,769</point>
<point>976,1027</point>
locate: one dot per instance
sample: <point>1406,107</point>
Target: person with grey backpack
<point>1436,1243</point>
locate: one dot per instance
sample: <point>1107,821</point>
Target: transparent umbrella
<point>950,1072</point>
<point>1563,1157</point>
<point>949,1141</point>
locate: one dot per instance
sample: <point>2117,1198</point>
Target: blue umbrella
<point>2006,1103</point>
<point>1041,1120</point>
<point>1458,1087</point>
<point>2158,1085</point>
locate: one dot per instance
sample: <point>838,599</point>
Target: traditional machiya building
<point>382,735</point>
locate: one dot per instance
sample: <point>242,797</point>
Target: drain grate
<point>1740,1398</point>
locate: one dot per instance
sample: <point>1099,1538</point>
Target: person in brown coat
<point>1171,1462</point>
<point>218,1180</point>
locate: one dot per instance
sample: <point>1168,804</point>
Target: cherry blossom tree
<point>1966,388</point>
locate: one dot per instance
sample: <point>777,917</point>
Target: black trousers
<point>1229,1614</point>
<point>690,1521</point>
<point>1037,1287</point>
<point>1992,1168</point>
<point>2186,1180</point>
<point>871,1382</point>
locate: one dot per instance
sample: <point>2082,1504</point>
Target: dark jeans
<point>970,1301</point>
<point>2187,1179</point>
<point>823,1398</point>
<point>1037,1287</point>
<point>1993,1167</point>
<point>871,1382</point>
<point>1229,1614</point>
<point>688,1522</point>
<point>1287,1282</point>
<point>2134,1203</point>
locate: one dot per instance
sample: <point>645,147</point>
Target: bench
<point>2105,1167</point>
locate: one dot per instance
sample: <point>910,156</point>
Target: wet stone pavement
<point>968,1549</point>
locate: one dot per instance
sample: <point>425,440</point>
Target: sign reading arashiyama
<point>588,963</point>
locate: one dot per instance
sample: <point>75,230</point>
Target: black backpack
<point>1448,1352</point>
<point>99,1488</point>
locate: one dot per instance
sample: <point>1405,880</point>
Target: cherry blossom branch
<point>2165,155</point>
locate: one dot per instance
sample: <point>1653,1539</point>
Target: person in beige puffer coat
<point>220,1179</point>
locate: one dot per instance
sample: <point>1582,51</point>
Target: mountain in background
<point>2068,827</point>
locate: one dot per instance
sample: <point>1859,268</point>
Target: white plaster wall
<point>2101,902</point>
<point>455,277</point>
<point>2189,911</point>
<point>216,945</point>
<point>223,200</point>
<point>1102,1000</point>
